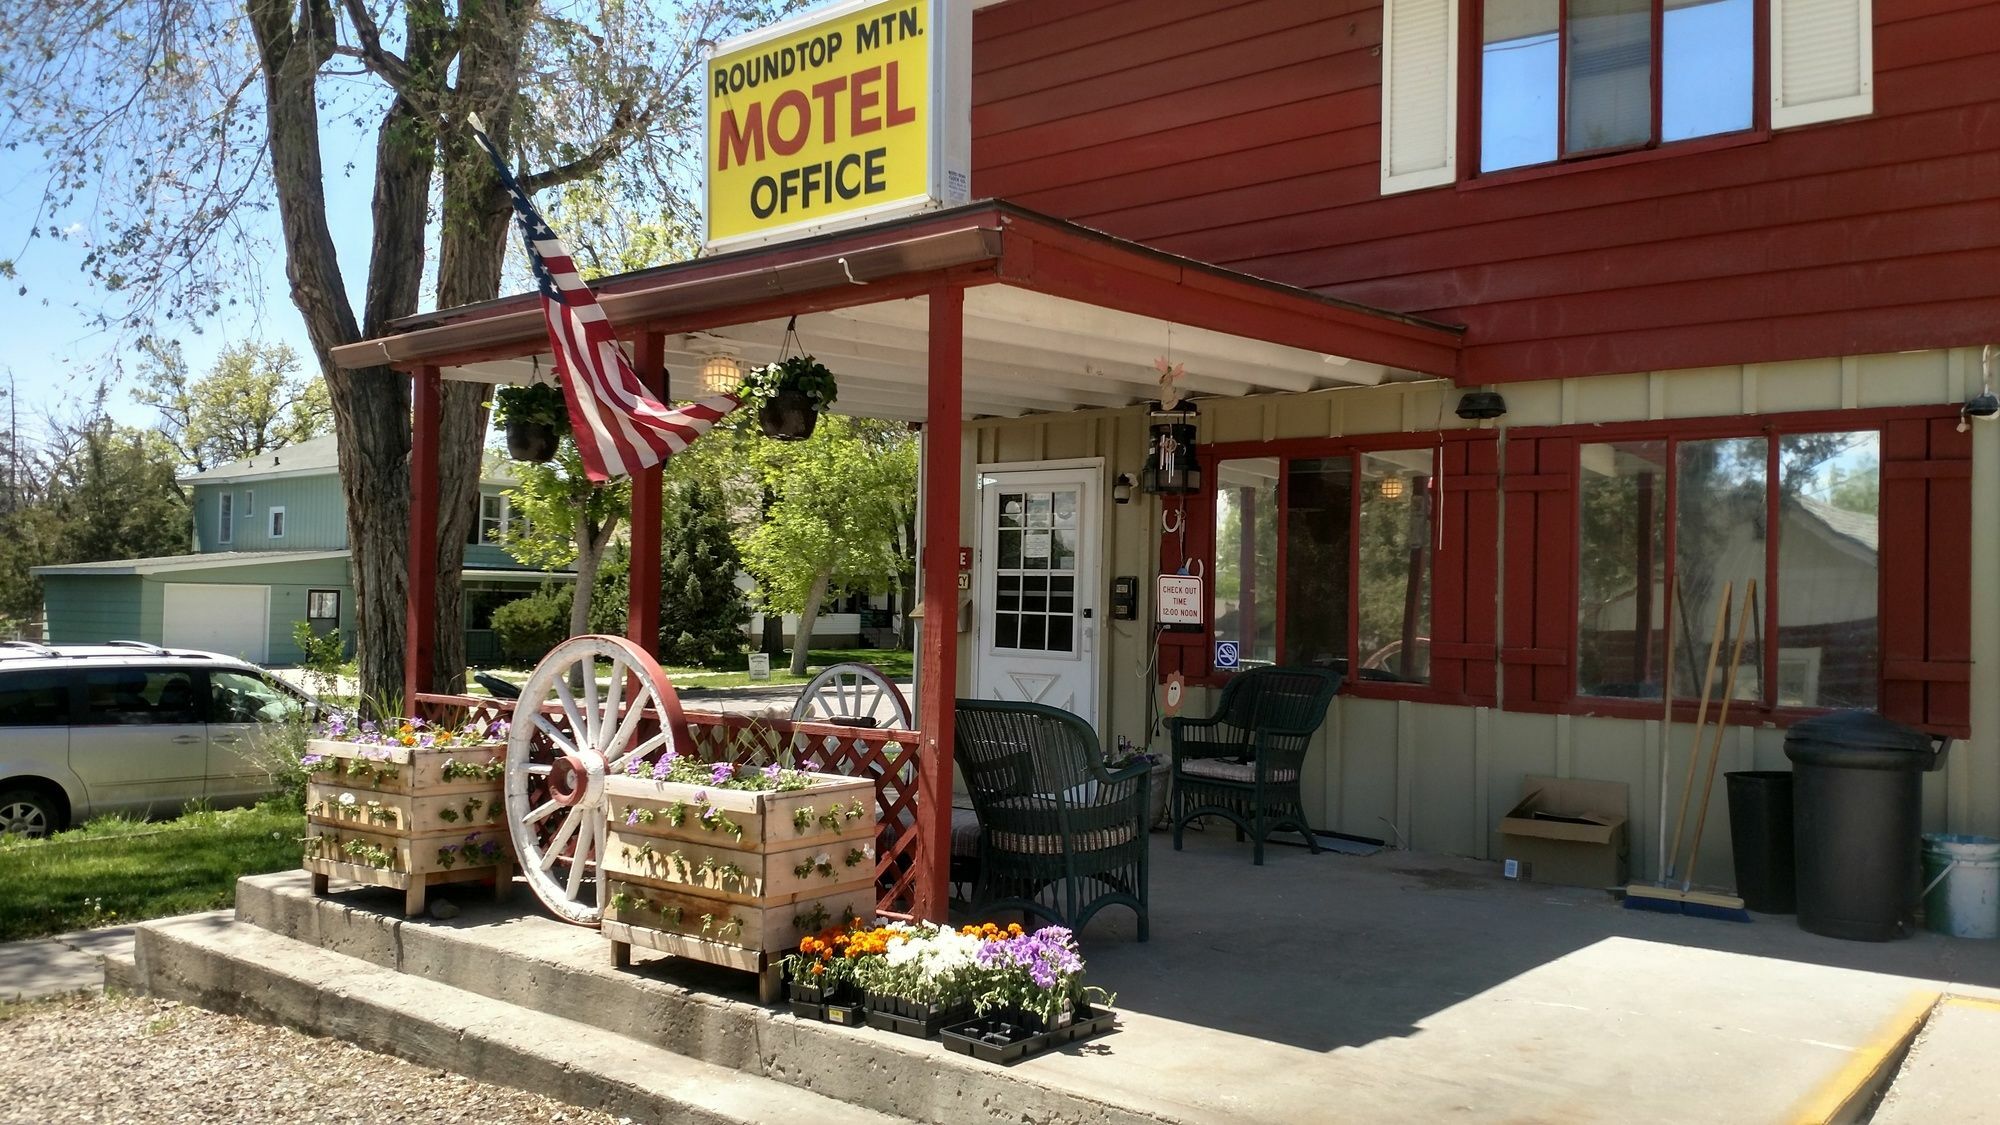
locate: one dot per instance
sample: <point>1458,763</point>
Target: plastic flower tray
<point>916,1020</point>
<point>998,1039</point>
<point>1088,1022</point>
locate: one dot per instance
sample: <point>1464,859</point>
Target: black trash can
<point>1857,796</point>
<point>1760,833</point>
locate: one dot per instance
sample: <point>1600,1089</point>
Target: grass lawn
<point>113,870</point>
<point>894,663</point>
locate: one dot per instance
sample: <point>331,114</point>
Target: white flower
<point>347,799</point>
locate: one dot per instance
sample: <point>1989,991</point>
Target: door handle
<point>225,739</point>
<point>186,739</point>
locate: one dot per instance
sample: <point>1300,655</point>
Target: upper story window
<point>225,518</point>
<point>493,522</point>
<point>1553,80</point>
<point>1566,78</point>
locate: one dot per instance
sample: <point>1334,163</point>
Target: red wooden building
<point>1729,264</point>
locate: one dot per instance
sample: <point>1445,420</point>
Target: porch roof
<point>1057,317</point>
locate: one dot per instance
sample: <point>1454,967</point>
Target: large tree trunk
<point>802,640</point>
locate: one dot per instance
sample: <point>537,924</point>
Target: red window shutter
<point>1541,561</point>
<point>1925,558</point>
<point>1464,621</point>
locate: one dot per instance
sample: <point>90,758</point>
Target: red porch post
<point>944,477</point>
<point>420,626</point>
<point>642,603</point>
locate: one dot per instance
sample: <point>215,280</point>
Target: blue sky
<point>58,350</point>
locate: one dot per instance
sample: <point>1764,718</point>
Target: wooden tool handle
<point>1721,721</point>
<point>1700,717</point>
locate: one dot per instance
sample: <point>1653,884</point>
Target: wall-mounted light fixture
<point>1392,488</point>
<point>1170,462</point>
<point>1121,489</point>
<point>1481,406</point>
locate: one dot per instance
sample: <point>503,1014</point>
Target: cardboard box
<point>1567,831</point>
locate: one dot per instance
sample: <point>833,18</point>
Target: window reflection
<point>1317,536</point>
<point>1395,555</point>
<point>1828,510</point>
<point>1244,595</point>
<point>1610,94</point>
<point>1519,57</point>
<point>1719,538</point>
<point>1622,566</point>
<point>1708,68</point>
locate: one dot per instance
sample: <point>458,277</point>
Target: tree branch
<point>625,124</point>
<point>390,67</point>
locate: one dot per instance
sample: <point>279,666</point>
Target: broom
<point>1662,897</point>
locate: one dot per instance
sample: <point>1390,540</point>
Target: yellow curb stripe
<point>1841,1097</point>
<point>1973,1002</point>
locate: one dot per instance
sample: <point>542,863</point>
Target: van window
<point>129,696</point>
<point>34,698</point>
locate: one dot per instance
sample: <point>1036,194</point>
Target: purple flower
<point>662,768</point>
<point>721,773</point>
<point>701,795</point>
<point>500,728</point>
<point>631,816</point>
<point>633,765</point>
<point>427,740</point>
<point>417,724</point>
<point>708,812</point>
<point>809,764</point>
<point>771,771</point>
<point>311,761</point>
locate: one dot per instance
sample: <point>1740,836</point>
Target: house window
<point>1327,561</point>
<point>491,526</point>
<point>277,518</point>
<point>1796,512</point>
<point>322,605</point>
<point>1567,78</point>
<point>225,518</point>
<point>249,503</point>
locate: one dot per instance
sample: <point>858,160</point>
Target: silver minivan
<point>133,728</point>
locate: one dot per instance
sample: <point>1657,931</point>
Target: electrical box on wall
<point>1125,598</point>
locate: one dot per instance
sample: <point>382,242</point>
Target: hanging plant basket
<point>535,418</point>
<point>531,441</point>
<point>788,416</point>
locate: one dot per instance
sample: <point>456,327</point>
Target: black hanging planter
<point>788,416</point>
<point>530,441</point>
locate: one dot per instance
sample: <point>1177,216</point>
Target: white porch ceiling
<point>1025,352</point>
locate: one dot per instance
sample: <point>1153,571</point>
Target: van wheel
<point>27,812</point>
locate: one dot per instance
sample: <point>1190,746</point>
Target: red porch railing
<point>888,756</point>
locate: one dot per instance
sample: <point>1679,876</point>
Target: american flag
<point>619,426</point>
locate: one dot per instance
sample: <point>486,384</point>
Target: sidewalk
<point>65,963</point>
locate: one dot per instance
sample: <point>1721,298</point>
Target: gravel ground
<point>134,1059</point>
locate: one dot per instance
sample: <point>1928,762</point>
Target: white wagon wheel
<point>854,694</point>
<point>560,747</point>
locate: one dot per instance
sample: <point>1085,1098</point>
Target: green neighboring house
<point>270,549</point>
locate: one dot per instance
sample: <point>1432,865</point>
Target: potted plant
<point>535,418</point>
<point>790,395</point>
<point>923,980</point>
<point>1028,993</point>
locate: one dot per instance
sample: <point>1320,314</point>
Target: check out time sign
<point>848,113</point>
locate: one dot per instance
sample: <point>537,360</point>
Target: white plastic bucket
<point>1962,885</point>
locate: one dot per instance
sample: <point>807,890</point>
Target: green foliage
<point>320,656</point>
<point>531,402</point>
<point>800,373</point>
<point>702,612</point>
<point>839,503</point>
<point>253,400</point>
<point>529,627</point>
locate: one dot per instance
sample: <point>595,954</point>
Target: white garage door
<point>231,620</point>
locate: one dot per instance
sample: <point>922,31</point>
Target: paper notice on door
<point>1035,545</point>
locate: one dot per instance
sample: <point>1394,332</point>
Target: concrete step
<point>1948,1074</point>
<point>515,954</point>
<point>217,962</point>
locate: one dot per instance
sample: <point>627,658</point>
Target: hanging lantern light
<point>1392,488</point>
<point>1170,461</point>
<point>721,374</point>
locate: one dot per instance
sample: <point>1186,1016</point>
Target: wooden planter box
<point>742,896</point>
<point>399,822</point>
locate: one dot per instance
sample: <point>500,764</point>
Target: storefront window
<point>1830,487</point>
<point>1318,536</point>
<point>1245,589</point>
<point>1719,539</point>
<point>1395,565</point>
<point>1622,566</point>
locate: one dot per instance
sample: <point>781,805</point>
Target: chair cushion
<point>964,832</point>
<point>1222,769</point>
<point>1095,840</point>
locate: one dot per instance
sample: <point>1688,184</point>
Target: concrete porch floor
<point>1402,987</point>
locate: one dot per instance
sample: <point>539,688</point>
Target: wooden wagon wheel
<point>854,694</point>
<point>562,743</point>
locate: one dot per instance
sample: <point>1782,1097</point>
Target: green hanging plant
<point>795,375</point>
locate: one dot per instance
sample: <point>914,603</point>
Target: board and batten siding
<point>91,609</point>
<point>1437,777</point>
<point>315,515</point>
<point>1248,133</point>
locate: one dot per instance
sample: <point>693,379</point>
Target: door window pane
<point>1034,593</point>
<point>137,696</point>
<point>1621,571</point>
<point>34,699</point>
<point>1318,533</point>
<point>1395,564</point>
<point>1719,537</point>
<point>1828,505</point>
<point>1519,60</point>
<point>1610,79</point>
<point>1244,593</point>
<point>1708,67</point>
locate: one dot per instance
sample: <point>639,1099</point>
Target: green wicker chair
<point>1060,837</point>
<point>1243,762</point>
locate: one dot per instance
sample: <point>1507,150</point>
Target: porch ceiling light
<point>721,374</point>
<point>1392,488</point>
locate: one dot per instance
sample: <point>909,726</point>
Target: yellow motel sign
<point>851,112</point>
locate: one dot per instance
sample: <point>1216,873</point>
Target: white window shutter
<point>1822,61</point>
<point>1419,94</point>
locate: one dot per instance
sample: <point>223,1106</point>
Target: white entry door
<point>232,620</point>
<point>1037,587</point>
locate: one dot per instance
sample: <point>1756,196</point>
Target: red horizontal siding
<point>1246,133</point>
